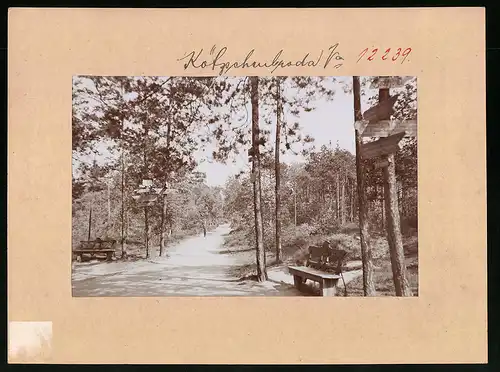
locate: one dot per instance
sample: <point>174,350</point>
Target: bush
<point>297,239</point>
<point>296,235</point>
<point>327,223</point>
<point>350,228</point>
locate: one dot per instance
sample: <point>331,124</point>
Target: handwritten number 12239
<point>385,55</point>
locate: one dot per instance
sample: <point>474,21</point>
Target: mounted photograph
<point>244,186</point>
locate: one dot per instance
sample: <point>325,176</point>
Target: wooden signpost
<point>407,126</point>
<point>360,126</point>
<point>389,82</point>
<point>376,120</point>
<point>385,128</point>
<point>383,146</point>
<point>146,196</point>
<point>376,123</point>
<point>381,111</point>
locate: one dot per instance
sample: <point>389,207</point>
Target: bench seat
<point>327,281</point>
<point>94,247</point>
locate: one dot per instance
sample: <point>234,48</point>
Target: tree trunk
<point>342,204</point>
<point>331,195</point>
<point>352,202</point>
<point>382,199</point>
<point>164,202</point>
<point>295,207</point>
<point>277,174</point>
<point>393,227</point>
<point>109,207</point>
<point>90,220</point>
<point>366,249</point>
<point>146,176</point>
<point>162,224</point>
<point>146,230</point>
<point>259,235</point>
<point>403,199</point>
<point>263,205</point>
<point>394,238</point>
<point>337,211</point>
<point>400,197</point>
<point>123,208</point>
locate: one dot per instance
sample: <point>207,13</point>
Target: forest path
<point>196,266</point>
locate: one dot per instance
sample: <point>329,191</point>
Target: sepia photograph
<point>244,186</point>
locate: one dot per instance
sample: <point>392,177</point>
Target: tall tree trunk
<point>145,176</point>
<point>366,249</point>
<point>277,174</point>
<point>162,223</point>
<point>404,205</point>
<point>263,205</point>
<point>400,196</point>
<point>109,207</point>
<point>337,211</point>
<point>382,199</point>
<point>352,202</point>
<point>123,238</point>
<point>331,195</point>
<point>393,227</point>
<point>394,237</point>
<point>259,235</point>
<point>342,204</point>
<point>146,230</point>
<point>163,197</point>
<point>295,206</point>
<point>90,221</point>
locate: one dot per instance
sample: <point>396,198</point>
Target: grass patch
<point>384,284</point>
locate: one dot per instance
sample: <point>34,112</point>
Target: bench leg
<point>297,281</point>
<point>328,287</point>
<point>108,256</point>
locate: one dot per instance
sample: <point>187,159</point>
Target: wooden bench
<point>324,265</point>
<point>327,282</point>
<point>95,247</point>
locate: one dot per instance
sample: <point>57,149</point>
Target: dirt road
<point>193,267</point>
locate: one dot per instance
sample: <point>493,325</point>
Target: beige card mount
<point>144,222</point>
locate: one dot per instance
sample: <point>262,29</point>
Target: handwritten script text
<point>216,62</point>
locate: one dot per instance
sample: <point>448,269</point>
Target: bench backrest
<point>107,244</point>
<point>336,259</point>
<point>326,256</point>
<point>318,255</point>
<point>87,244</point>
